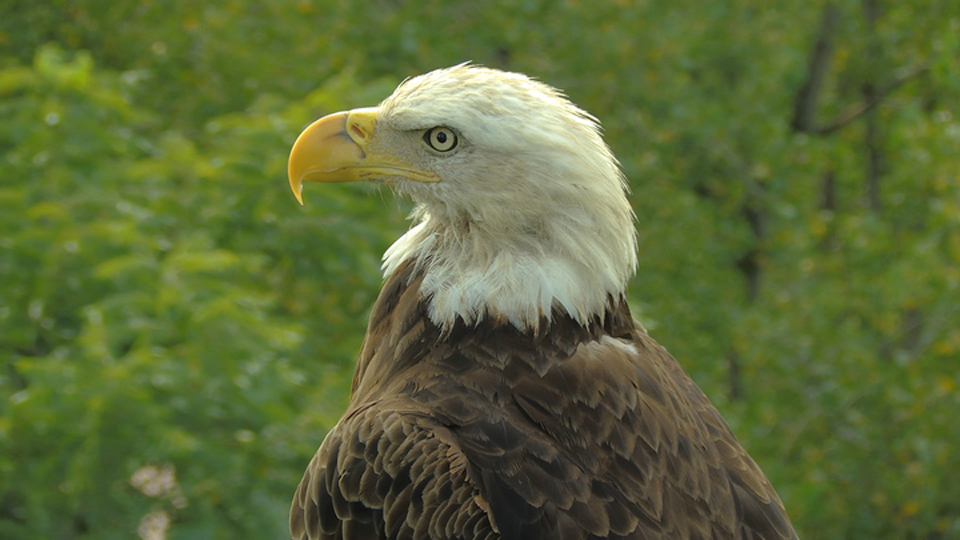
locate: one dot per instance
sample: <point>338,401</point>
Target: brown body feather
<point>484,431</point>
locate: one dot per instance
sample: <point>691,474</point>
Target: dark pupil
<point>441,137</point>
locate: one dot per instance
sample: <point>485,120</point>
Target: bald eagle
<point>503,389</point>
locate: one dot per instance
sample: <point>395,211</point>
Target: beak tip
<point>296,185</point>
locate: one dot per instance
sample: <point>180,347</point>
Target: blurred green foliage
<point>176,334</point>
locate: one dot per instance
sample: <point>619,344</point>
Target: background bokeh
<point>177,334</point>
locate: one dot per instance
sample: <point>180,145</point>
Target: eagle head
<point>521,208</point>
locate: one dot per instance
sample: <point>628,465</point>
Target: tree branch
<point>805,105</point>
<point>857,110</point>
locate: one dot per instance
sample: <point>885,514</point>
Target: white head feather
<point>531,210</point>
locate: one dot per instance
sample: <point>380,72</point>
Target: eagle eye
<point>441,139</point>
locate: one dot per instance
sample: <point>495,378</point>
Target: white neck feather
<point>470,272</point>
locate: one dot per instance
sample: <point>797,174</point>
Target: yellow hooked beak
<point>335,149</point>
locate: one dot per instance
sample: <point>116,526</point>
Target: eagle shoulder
<point>386,471</point>
<point>656,459</point>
